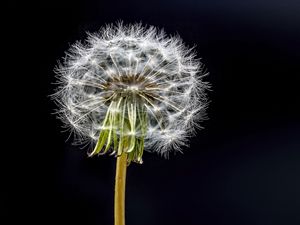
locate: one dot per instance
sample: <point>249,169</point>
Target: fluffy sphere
<point>129,87</point>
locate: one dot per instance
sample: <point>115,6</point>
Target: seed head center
<point>127,85</point>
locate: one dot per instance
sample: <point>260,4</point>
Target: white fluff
<point>89,77</point>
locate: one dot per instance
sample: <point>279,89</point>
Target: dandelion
<point>130,88</point>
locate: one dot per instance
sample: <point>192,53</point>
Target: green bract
<point>124,128</point>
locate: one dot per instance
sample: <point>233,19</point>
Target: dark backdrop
<point>242,169</point>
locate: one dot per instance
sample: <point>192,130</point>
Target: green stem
<point>120,183</point>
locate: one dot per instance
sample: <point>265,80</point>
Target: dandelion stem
<point>120,183</point>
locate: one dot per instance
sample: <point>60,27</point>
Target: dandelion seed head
<point>134,85</point>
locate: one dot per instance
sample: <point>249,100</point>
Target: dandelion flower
<point>130,88</point>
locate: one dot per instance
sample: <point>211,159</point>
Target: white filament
<point>177,97</point>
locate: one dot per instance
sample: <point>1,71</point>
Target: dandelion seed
<point>129,88</point>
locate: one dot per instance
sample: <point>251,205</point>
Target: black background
<point>243,168</point>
